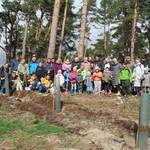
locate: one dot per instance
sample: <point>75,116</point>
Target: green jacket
<point>125,74</point>
<point>83,73</point>
<point>23,68</point>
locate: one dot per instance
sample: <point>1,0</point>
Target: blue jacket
<point>66,75</point>
<point>32,67</point>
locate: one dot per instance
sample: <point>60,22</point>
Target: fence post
<point>144,118</point>
<point>6,82</point>
<point>57,95</point>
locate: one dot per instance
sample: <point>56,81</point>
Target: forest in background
<point>50,28</point>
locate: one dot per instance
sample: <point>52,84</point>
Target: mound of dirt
<point>96,122</point>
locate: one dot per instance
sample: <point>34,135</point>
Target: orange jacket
<point>97,76</point>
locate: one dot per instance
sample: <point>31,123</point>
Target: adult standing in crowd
<point>76,63</point>
<point>99,62</point>
<point>66,65</point>
<point>57,66</point>
<point>86,64</point>
<point>33,65</point>
<point>115,75</point>
<point>107,63</point>
<point>41,71</point>
<point>49,66</point>
<point>14,63</point>
<point>23,70</point>
<point>138,72</point>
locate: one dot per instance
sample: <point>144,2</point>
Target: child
<point>107,77</point>
<point>60,77</point>
<point>18,84</point>
<point>146,81</point>
<point>97,78</point>
<point>73,80</point>
<point>32,83</point>
<point>125,79</point>
<point>66,78</point>
<point>80,83</point>
<point>83,73</point>
<point>89,85</point>
<point>44,84</point>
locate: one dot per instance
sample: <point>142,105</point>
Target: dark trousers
<point>107,86</point>
<point>125,87</point>
<point>2,86</point>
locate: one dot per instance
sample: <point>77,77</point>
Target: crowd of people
<point>94,76</point>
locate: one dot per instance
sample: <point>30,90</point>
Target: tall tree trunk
<point>47,33</point>
<point>25,36</point>
<point>6,42</point>
<point>105,40</point>
<point>133,38</point>
<point>38,31</point>
<point>16,39</point>
<point>63,30</point>
<point>52,41</point>
<point>83,28</point>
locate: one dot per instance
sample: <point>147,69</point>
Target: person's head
<point>128,59</point>
<point>33,77</point>
<point>75,68</point>
<point>107,60</point>
<point>59,72</point>
<point>6,66</point>
<point>48,60</point>
<point>34,58</point>
<point>97,69</point>
<point>124,65</point>
<point>40,64</point>
<point>52,60</point>
<point>48,77</point>
<point>137,60</point>
<point>67,61</point>
<point>85,59</point>
<point>90,59</point>
<point>23,61</point>
<point>58,61</point>
<point>97,58</point>
<point>76,59</point>
<point>13,74</point>
<point>115,60</point>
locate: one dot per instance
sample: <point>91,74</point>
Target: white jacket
<point>61,79</point>
<point>138,72</point>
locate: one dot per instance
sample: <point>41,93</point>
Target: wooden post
<point>57,95</point>
<point>6,82</point>
<point>144,119</point>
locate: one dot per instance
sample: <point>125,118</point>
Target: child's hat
<point>97,68</point>
<point>59,71</point>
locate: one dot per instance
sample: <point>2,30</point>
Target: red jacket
<point>73,77</point>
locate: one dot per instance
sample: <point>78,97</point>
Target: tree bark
<point>25,36</point>
<point>63,30</point>
<point>52,41</point>
<point>83,28</point>
<point>38,31</point>
<point>47,34</point>
<point>133,37</point>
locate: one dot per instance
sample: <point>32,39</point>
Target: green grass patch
<point>9,126</point>
<point>44,128</point>
<point>35,128</point>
